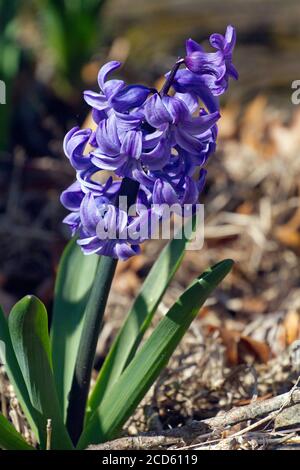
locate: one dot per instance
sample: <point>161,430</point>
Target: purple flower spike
<point>158,140</point>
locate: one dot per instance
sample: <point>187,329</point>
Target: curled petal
<point>89,214</point>
<point>73,220</point>
<point>187,81</point>
<point>191,192</point>
<point>98,115</point>
<point>132,144</point>
<point>90,245</point>
<point>143,226</point>
<point>206,63</point>
<point>71,198</point>
<point>143,201</point>
<point>124,251</point>
<point>192,46</point>
<point>176,108</point>
<point>190,100</point>
<point>201,124</point>
<point>232,71</point>
<point>147,180</point>
<point>156,113</point>
<point>105,70</point>
<point>74,145</point>
<point>217,86</point>
<point>127,122</point>
<point>158,157</point>
<point>107,137</point>
<point>202,178</point>
<point>207,97</point>
<point>187,141</point>
<point>151,140</point>
<point>112,87</point>
<point>95,100</point>
<point>129,97</point>
<point>217,41</point>
<point>85,178</point>
<point>230,37</point>
<point>164,193</point>
<point>109,223</point>
<point>109,189</point>
<point>122,219</point>
<point>106,162</point>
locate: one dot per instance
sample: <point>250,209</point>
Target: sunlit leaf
<point>10,439</point>
<point>124,396</point>
<point>74,280</point>
<point>140,315</point>
<point>28,326</point>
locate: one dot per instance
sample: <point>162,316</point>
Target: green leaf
<point>28,326</point>
<point>140,316</point>
<point>75,278</point>
<point>15,375</point>
<point>10,439</point>
<point>128,391</point>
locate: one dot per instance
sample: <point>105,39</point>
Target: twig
<point>186,434</point>
<point>254,410</point>
<point>49,434</point>
<point>14,415</point>
<point>2,395</point>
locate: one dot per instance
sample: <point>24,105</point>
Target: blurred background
<point>51,50</point>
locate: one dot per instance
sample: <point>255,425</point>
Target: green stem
<point>91,328</point>
<point>87,346</point>
<point>169,81</point>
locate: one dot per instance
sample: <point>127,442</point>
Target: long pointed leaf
<point>75,278</point>
<point>139,317</point>
<point>14,374</point>
<point>10,439</point>
<point>28,326</point>
<point>128,391</point>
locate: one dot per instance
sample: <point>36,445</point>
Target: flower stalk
<point>168,83</point>
<point>91,329</point>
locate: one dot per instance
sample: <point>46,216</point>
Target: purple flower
<point>115,94</point>
<point>157,141</point>
<point>174,184</point>
<point>226,46</point>
<point>214,68</point>
<point>187,82</point>
<point>172,114</point>
<point>75,142</point>
<point>109,231</point>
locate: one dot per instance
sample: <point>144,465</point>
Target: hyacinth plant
<point>154,145</point>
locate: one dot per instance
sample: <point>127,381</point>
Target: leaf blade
<point>139,316</point>
<point>10,439</point>
<point>73,284</point>
<point>137,378</point>
<point>14,374</point>
<point>28,326</point>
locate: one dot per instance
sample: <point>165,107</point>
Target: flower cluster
<point>159,142</point>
